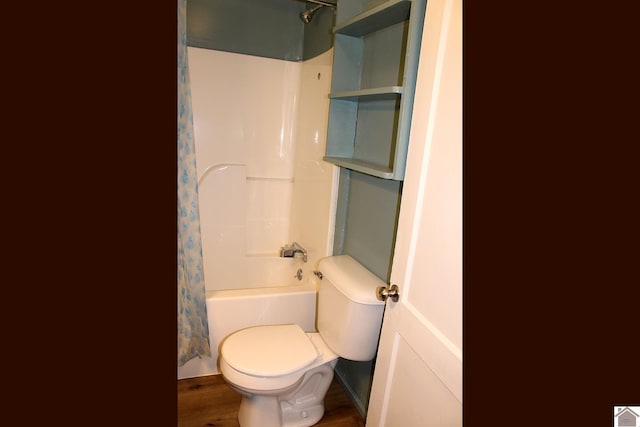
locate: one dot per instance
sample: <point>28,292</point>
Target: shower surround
<point>260,133</point>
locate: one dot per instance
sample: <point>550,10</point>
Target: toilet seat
<point>242,351</point>
<point>268,351</point>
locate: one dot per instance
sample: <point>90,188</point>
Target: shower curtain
<point>193,329</point>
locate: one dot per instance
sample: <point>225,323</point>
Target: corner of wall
<point>359,401</point>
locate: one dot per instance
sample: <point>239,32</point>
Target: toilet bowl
<point>282,372</point>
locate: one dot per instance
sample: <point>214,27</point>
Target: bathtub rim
<point>260,291</point>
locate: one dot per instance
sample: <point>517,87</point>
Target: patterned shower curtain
<point>193,329</point>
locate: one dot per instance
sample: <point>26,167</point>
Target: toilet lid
<point>269,350</point>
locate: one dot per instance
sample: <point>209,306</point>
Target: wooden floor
<point>208,401</point>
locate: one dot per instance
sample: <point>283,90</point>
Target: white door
<point>418,375</point>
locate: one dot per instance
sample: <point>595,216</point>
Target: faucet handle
<point>299,249</point>
<point>290,251</point>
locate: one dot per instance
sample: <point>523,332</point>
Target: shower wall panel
<point>244,112</point>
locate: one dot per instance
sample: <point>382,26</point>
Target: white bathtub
<point>230,310</point>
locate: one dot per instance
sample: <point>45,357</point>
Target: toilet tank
<point>349,315</point>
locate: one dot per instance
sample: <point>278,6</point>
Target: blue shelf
<point>377,18</point>
<point>382,92</point>
<point>361,166</point>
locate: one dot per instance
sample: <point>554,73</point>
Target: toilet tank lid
<point>270,350</point>
<point>351,278</point>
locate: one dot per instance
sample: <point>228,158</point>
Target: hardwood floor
<point>208,401</point>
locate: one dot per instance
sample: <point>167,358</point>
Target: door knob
<point>383,292</point>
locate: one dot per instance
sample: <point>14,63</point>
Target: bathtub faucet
<point>290,251</point>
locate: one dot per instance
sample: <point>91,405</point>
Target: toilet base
<point>259,411</point>
<point>305,406</point>
<point>302,407</point>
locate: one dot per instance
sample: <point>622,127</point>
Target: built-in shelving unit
<point>374,71</point>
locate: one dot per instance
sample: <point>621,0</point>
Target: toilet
<point>282,372</point>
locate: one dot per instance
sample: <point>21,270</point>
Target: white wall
<point>260,132</point>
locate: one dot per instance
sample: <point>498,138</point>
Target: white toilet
<point>282,372</point>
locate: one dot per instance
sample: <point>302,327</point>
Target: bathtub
<point>230,310</point>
